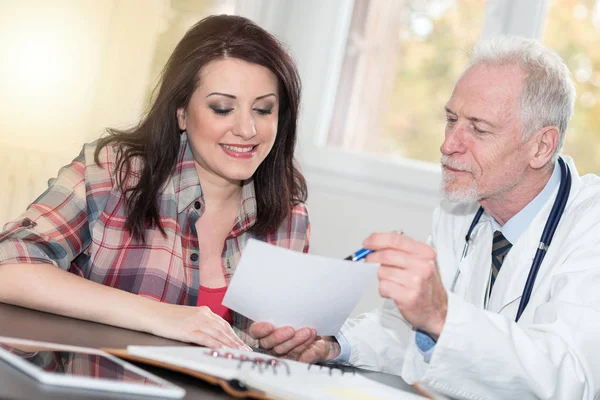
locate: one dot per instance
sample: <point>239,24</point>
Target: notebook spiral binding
<point>275,365</point>
<point>260,363</point>
<point>342,367</point>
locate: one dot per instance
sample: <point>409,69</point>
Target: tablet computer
<point>84,368</point>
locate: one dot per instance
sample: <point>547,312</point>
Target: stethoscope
<point>556,213</point>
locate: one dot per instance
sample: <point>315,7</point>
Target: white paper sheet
<point>288,288</point>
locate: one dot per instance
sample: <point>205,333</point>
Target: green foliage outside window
<point>573,30</point>
<point>434,49</point>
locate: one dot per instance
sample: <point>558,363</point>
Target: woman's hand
<point>194,325</point>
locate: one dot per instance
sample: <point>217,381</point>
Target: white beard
<point>461,195</point>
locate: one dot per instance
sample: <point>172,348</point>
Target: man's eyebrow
<point>222,94</point>
<point>448,110</point>
<point>482,121</point>
<point>474,119</point>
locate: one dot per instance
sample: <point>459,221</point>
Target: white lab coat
<point>553,352</point>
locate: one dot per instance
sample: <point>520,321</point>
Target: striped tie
<point>500,249</point>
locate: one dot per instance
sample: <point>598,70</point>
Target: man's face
<point>483,155</point>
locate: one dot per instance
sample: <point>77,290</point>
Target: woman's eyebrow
<point>222,94</point>
<point>265,96</point>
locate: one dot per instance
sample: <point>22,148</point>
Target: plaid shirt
<point>78,224</point>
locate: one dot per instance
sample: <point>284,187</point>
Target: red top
<point>212,298</point>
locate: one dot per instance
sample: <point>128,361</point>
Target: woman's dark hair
<point>155,140</point>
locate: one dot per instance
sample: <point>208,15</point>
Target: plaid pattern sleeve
<point>54,229</point>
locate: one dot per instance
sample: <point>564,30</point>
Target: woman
<point>164,210</point>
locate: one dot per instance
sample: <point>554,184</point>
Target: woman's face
<point>231,120</point>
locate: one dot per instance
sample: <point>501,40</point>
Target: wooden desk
<point>34,325</point>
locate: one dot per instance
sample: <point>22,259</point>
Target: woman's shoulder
<point>100,167</point>
<point>106,154</point>
<point>300,210</point>
<point>101,160</point>
<point>299,219</point>
<point>294,231</point>
<point>296,224</point>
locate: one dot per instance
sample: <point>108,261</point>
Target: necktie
<point>500,248</point>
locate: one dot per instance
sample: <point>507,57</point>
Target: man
<point>451,318</point>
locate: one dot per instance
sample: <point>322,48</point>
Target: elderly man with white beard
<point>503,301</point>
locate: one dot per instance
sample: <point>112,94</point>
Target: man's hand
<point>409,276</point>
<point>302,345</point>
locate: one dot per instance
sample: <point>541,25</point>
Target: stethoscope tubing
<point>556,213</point>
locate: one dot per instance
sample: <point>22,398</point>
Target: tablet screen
<point>90,366</point>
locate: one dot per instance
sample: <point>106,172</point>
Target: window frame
<point>316,34</point>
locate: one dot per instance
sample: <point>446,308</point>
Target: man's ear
<point>545,142</point>
<point>181,119</point>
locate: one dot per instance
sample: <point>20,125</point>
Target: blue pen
<point>359,255</point>
<point>362,253</point>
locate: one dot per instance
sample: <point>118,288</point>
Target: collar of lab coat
<point>514,227</point>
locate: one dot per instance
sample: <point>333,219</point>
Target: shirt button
<point>197,205</point>
<point>26,223</point>
<point>194,257</point>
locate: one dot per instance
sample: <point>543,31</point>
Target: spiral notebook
<point>260,376</point>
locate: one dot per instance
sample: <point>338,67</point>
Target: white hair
<point>548,96</point>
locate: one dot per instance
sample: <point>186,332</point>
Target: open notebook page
<point>286,379</point>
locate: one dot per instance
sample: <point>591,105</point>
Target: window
<point>573,30</point>
<point>400,64</point>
